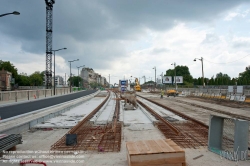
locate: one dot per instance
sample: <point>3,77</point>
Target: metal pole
<point>202,72</point>
<point>175,76</point>
<point>70,77</point>
<point>78,78</point>
<point>155,78</point>
<point>54,73</point>
<point>65,79</point>
<point>109,80</point>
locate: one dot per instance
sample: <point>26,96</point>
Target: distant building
<point>89,76</point>
<point>104,81</point>
<point>5,80</point>
<point>59,82</point>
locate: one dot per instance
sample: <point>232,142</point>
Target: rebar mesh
<point>91,137</point>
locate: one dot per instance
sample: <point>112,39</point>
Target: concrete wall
<point>24,95</point>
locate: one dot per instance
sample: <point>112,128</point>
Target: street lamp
<point>155,77</point>
<point>55,67</point>
<point>175,75</point>
<point>202,70</point>
<point>70,72</point>
<point>15,13</point>
<point>78,74</point>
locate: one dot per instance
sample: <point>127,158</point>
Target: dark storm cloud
<point>97,27</point>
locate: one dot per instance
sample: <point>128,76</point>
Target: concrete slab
<point>135,116</point>
<point>70,118</point>
<point>161,111</point>
<point>107,112</point>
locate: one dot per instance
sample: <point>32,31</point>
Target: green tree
<point>244,76</point>
<point>36,79</point>
<point>211,81</point>
<point>223,79</point>
<point>23,80</point>
<point>199,81</point>
<point>181,71</point>
<point>75,80</point>
<point>9,67</point>
<point>216,81</point>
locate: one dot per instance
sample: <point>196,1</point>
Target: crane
<point>49,21</point>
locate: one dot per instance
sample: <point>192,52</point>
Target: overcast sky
<point>129,37</point>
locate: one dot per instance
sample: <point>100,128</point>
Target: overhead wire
<point>227,62</point>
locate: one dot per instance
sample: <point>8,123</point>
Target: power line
<point>227,62</point>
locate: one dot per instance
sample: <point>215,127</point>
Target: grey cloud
<point>241,44</point>
<point>100,25</point>
<point>159,50</point>
<point>210,38</point>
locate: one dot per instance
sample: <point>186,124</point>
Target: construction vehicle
<point>137,86</point>
<point>172,92</point>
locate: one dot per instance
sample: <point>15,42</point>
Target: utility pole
<point>109,80</point>
<point>175,75</point>
<point>202,70</point>
<point>70,73</point>
<point>55,68</point>
<point>78,75</point>
<point>155,77</point>
<point>49,21</point>
<point>65,79</point>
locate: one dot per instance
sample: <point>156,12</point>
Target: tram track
<point>189,133</point>
<point>214,110</point>
<point>92,137</point>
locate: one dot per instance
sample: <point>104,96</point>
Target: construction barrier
<point>247,99</point>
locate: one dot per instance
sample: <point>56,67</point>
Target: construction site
<point>136,128</point>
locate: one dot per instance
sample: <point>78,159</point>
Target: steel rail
<point>216,110</point>
<point>90,115</point>
<point>103,138</point>
<point>177,112</point>
<point>81,124</point>
<point>159,117</point>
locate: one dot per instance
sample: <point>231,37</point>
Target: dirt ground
<point>228,103</point>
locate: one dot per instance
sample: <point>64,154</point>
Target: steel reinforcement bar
<point>184,116</point>
<point>215,110</point>
<point>102,138</point>
<point>192,133</point>
<point>159,117</point>
<point>81,124</point>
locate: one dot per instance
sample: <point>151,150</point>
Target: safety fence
<point>24,95</point>
<point>222,94</point>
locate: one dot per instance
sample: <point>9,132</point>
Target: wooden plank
<point>164,146</point>
<point>158,159</point>
<point>155,153</point>
<point>154,147</point>
<point>174,145</point>
<point>142,147</point>
<point>132,149</point>
<point>170,142</point>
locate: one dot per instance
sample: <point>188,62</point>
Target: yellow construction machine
<point>172,92</point>
<point>137,86</point>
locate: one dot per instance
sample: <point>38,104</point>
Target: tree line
<point>37,78</point>
<point>219,79</point>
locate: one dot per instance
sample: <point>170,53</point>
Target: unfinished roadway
<point>137,125</point>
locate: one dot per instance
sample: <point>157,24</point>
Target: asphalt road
<point>22,108</point>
